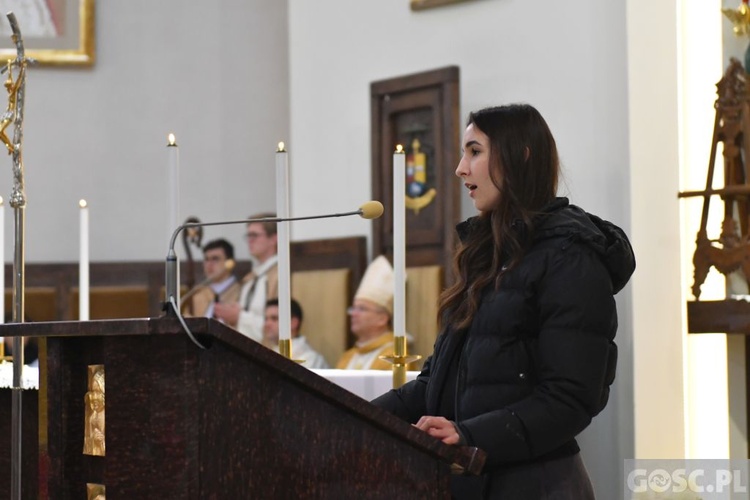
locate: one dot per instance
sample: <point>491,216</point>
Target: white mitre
<point>377,284</point>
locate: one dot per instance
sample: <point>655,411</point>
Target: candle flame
<point>399,148</point>
<point>172,140</point>
<point>82,203</point>
<point>281,147</point>
<point>1,201</point>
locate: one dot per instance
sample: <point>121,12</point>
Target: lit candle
<point>173,186</point>
<point>83,264</point>
<point>282,229</point>
<point>399,242</point>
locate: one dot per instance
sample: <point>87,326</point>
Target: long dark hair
<point>524,166</point>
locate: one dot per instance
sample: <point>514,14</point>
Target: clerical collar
<point>221,287</point>
<point>380,339</point>
<point>262,269</point>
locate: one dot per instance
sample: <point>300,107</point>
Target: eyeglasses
<point>360,309</point>
<point>253,236</point>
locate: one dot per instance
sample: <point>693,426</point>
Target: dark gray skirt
<point>559,479</point>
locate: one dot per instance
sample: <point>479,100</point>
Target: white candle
<point>173,186</point>
<point>282,229</point>
<point>83,264</point>
<point>399,241</point>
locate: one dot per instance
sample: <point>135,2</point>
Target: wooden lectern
<point>233,421</point>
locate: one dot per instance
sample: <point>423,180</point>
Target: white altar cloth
<point>367,384</point>
<point>29,376</point>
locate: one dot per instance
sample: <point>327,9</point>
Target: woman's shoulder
<point>571,229</point>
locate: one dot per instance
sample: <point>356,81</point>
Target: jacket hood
<point>562,220</point>
<point>609,241</point>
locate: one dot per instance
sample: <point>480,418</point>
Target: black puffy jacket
<point>538,359</point>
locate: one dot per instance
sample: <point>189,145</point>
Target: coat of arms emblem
<point>418,192</point>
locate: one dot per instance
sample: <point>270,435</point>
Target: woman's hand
<point>439,427</point>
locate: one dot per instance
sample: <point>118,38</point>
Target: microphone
<point>369,210</point>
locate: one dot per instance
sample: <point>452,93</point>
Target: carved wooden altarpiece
<point>420,112</point>
<point>731,251</point>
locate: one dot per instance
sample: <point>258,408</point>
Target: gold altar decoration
<point>740,18</point>
<point>12,87</point>
<point>94,442</point>
<point>96,491</point>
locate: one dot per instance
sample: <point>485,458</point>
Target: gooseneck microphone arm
<point>177,231</point>
<point>369,210</point>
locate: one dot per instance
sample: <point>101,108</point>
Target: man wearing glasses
<point>258,286</point>
<point>223,287</point>
<point>371,320</point>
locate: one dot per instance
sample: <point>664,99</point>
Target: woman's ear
<point>526,153</point>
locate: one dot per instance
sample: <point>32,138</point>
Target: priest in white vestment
<point>300,348</point>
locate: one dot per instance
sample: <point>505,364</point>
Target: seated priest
<point>300,348</point>
<point>371,320</point>
<point>220,285</point>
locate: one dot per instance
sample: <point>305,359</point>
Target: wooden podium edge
<point>465,460</point>
<point>462,459</point>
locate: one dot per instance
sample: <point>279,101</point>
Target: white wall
<point>216,75</point>
<point>568,59</point>
<point>560,58</point>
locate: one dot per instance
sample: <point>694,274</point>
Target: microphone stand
<point>369,210</point>
<point>171,267</point>
<point>195,238</point>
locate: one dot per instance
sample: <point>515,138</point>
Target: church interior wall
<point>234,79</point>
<point>216,76</point>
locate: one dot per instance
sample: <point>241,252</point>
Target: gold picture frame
<point>75,45</point>
<point>428,4</point>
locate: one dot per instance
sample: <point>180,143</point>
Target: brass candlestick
<point>285,349</point>
<point>400,360</point>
